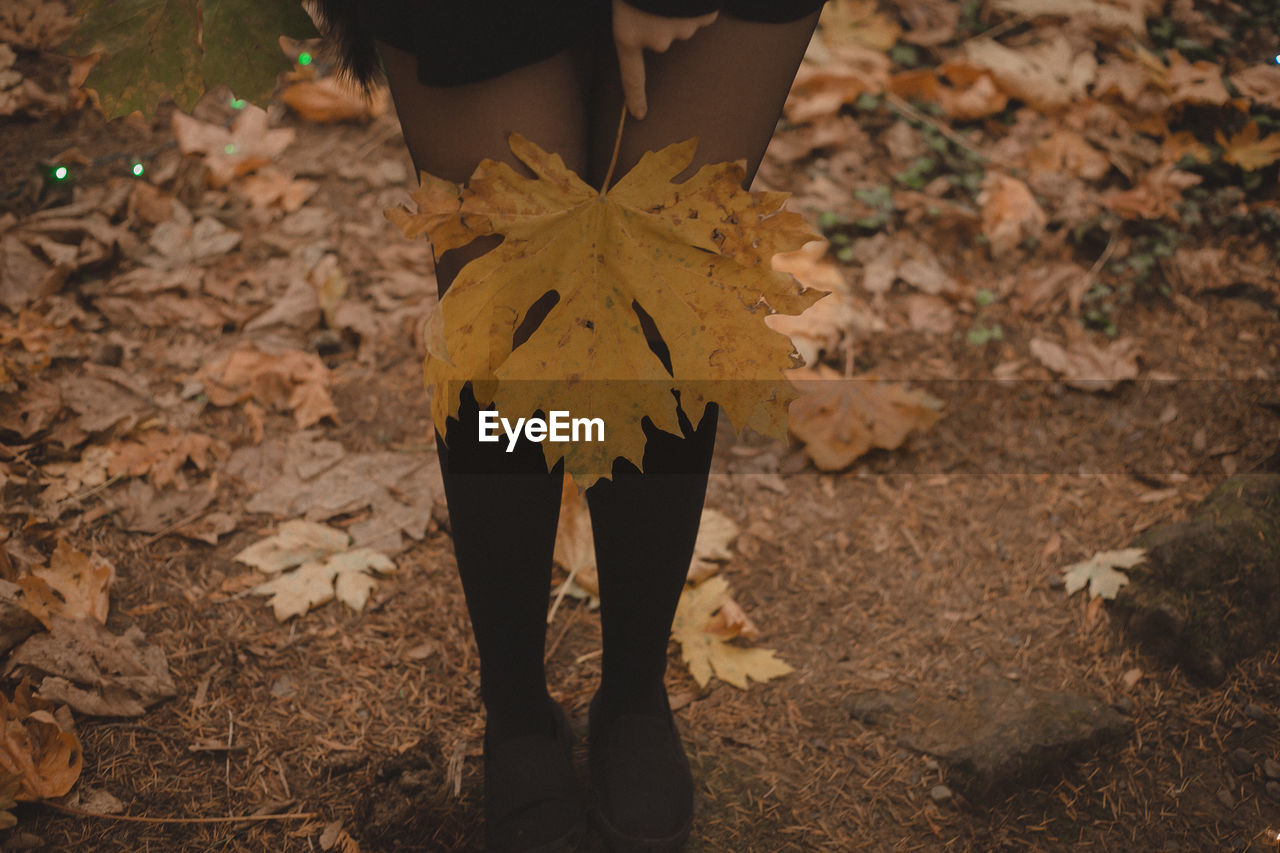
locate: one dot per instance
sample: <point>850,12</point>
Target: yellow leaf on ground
<point>693,257</point>
<point>840,419</point>
<point>38,746</point>
<point>703,630</point>
<point>1246,150</point>
<point>322,568</point>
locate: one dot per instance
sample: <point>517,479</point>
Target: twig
<point>564,587</point>
<point>143,819</point>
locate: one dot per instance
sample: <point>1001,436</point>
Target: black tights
<point>644,526</point>
<point>725,86</point>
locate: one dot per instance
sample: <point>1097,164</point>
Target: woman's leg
<point>502,506</point>
<point>726,85</point>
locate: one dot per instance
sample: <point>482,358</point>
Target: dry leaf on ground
<point>1048,76</point>
<point>821,327</point>
<point>38,746</point>
<point>286,380</point>
<point>160,456</point>
<point>304,475</point>
<point>80,663</point>
<point>35,24</point>
<point>329,99</point>
<point>1010,213</point>
<point>229,152</point>
<point>859,22</point>
<point>312,566</point>
<point>821,90</point>
<point>82,583</point>
<point>1099,573</point>
<point>703,629</point>
<point>840,419</point>
<point>1246,150</point>
<point>1260,84</point>
<point>1087,366</point>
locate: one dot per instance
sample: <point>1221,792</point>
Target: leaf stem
<point>617,144</point>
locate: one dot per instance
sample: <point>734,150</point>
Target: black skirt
<point>465,42</point>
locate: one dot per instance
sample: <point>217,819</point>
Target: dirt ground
<point>922,568</point>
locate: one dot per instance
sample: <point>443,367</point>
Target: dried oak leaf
<point>840,419</point>
<point>706,620</point>
<point>694,257</point>
<point>321,568</point>
<point>38,747</point>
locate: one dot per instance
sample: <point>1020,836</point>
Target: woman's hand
<point>634,32</point>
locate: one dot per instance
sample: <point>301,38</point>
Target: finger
<point>631,69</point>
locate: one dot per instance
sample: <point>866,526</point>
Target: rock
<point>1209,593</point>
<point>1005,735</point>
<point>1255,712</point>
<point>1271,768</point>
<point>1241,761</point>
<point>940,794</point>
<point>1226,798</point>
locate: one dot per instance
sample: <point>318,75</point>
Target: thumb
<point>631,69</point>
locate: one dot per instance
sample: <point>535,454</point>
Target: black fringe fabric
<point>348,28</point>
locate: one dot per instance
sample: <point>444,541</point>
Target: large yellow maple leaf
<point>693,256</point>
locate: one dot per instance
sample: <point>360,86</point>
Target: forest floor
<point>925,568</point>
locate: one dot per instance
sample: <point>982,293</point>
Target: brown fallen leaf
<point>821,90</point>
<point>820,327</point>
<point>159,456</point>
<point>1048,76</point>
<point>858,22</point>
<point>80,663</point>
<point>1068,151</point>
<point>274,188</point>
<point>1246,150</point>
<point>1260,84</point>
<point>286,380</point>
<point>1010,213</point>
<point>329,99</point>
<point>230,152</point>
<point>1197,82</point>
<point>1087,366</point>
<point>141,507</point>
<point>38,746</point>
<point>1156,195</point>
<point>703,629</point>
<point>840,419</point>
<point>35,24</point>
<point>82,583</point>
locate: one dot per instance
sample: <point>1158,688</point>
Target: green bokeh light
<point>229,148</point>
<point>304,58</point>
<point>61,173</point>
<point>237,103</point>
<point>137,170</point>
